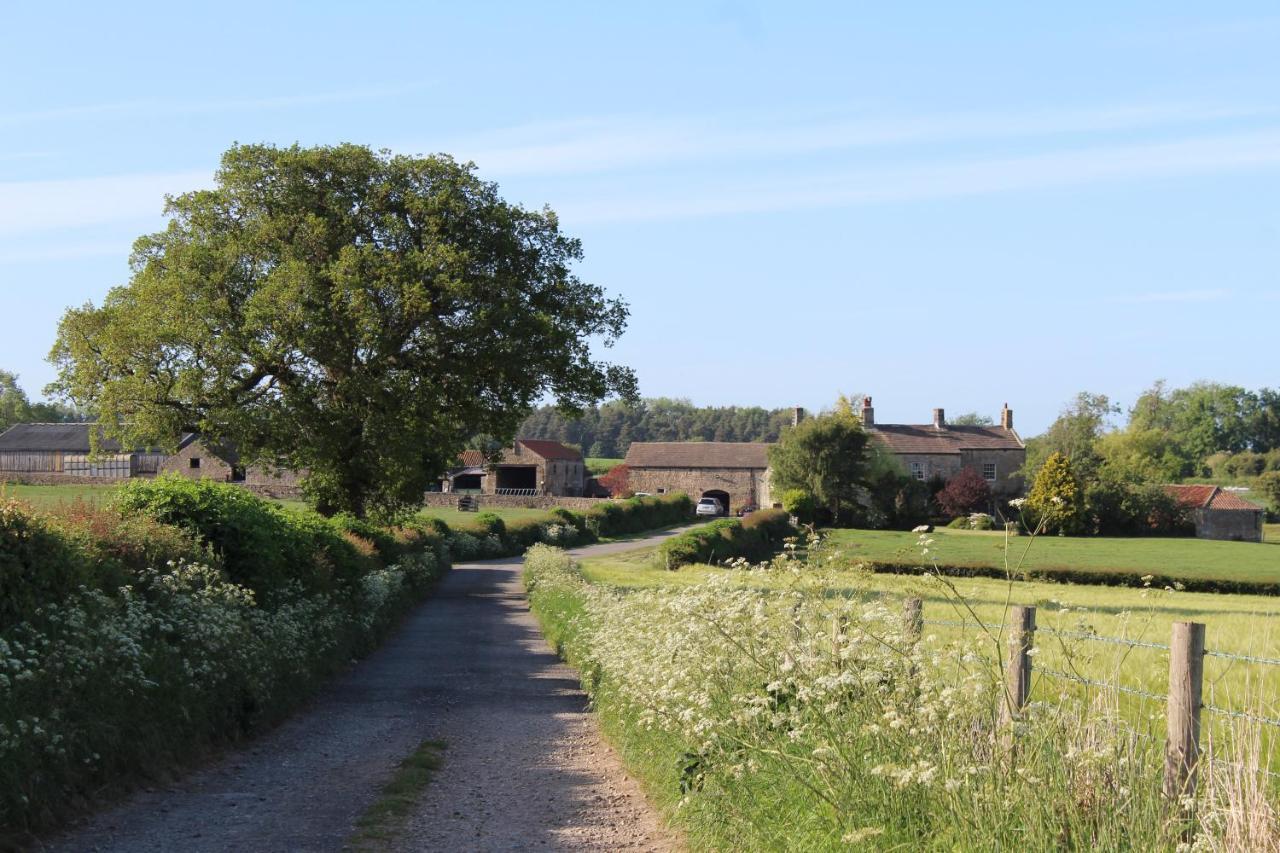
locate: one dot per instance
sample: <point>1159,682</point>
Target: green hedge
<point>756,537</point>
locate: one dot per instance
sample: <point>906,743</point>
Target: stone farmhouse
<point>735,473</point>
<point>530,467</point>
<point>942,450</point>
<point>1219,514</point>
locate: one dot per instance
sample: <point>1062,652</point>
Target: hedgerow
<point>755,537</point>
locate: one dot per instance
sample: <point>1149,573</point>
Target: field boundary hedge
<point>1092,577</point>
<point>757,536</point>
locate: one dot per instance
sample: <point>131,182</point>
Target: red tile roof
<point>473,459</point>
<point>1200,496</point>
<point>549,449</point>
<point>697,454</point>
<point>926,438</point>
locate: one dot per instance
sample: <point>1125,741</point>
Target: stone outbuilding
<point>735,473</point>
<point>1220,514</point>
<point>528,468</point>
<point>941,450</point>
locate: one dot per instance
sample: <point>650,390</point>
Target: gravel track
<point>524,767</point>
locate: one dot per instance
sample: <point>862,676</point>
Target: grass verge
<point>385,817</point>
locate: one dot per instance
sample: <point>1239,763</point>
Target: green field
<point>598,466</point>
<point>1190,559</point>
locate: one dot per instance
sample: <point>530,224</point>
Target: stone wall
<point>1230,524</point>
<point>50,479</point>
<point>1008,482</point>
<point>445,500</point>
<point>745,486</point>
<point>209,466</point>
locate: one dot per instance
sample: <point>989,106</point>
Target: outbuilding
<point>734,473</point>
<point>1218,513</point>
<point>64,450</point>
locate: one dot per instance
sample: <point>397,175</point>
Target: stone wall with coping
<point>446,500</point>
<point>50,479</point>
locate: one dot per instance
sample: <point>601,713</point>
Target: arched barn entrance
<point>721,496</point>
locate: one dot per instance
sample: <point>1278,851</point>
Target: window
<point>662,491</point>
<point>194,462</point>
<point>989,472</point>
<point>917,470</point>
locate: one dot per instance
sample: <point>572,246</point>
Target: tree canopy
<point>826,458</point>
<point>345,312</point>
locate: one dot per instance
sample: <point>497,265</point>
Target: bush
<point>37,565</point>
<point>801,504</point>
<point>964,492</point>
<point>263,547</point>
<point>635,515</point>
<point>1269,487</point>
<point>756,537</point>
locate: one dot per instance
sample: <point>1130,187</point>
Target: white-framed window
<point>989,471</point>
<point>917,470</point>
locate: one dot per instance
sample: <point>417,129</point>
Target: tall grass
<point>794,715</point>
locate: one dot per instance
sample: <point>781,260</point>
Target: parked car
<point>708,506</point>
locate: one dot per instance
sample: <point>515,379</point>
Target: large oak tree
<point>347,312</point>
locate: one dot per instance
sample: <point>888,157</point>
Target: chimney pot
<point>1006,417</point>
<point>868,414</point>
<point>939,419</point>
<point>797,415</point>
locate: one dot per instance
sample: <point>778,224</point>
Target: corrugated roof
<point>1191,496</point>
<point>550,449</point>
<point>1201,496</point>
<point>698,454</point>
<point>47,438</point>
<point>926,438</point>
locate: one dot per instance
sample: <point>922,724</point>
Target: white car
<point>708,506</point>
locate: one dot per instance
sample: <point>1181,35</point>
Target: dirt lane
<point>524,767</point>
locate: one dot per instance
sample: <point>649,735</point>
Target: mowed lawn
<point>1193,559</point>
<point>50,497</point>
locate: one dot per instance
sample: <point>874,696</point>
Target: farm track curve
<point>525,767</point>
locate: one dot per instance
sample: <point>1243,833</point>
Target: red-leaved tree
<point>964,492</point>
<point>616,480</point>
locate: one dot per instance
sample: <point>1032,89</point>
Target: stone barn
<point>1219,514</point>
<point>942,450</point>
<point>736,473</point>
<point>200,460</point>
<point>61,451</point>
<point>528,468</point>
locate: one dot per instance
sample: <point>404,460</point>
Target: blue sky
<point>941,205</point>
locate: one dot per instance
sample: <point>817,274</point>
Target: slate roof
<point>549,449</point>
<point>1200,496</point>
<point>52,438</point>
<point>697,454</point>
<point>951,439</point>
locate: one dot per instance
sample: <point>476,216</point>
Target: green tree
<point>347,312</point>
<point>1055,502</point>
<point>972,419</point>
<point>14,406</point>
<point>1269,486</point>
<point>1074,434</point>
<point>825,457</point>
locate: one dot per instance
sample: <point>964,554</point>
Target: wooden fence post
<point>1017,669</point>
<point>912,620</point>
<point>1186,681</point>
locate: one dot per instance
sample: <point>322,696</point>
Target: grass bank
<point>1198,563</point>
<point>759,727</point>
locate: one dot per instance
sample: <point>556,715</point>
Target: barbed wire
<point>1246,658</point>
<point>1119,641</point>
<point>1211,760</point>
<point>1053,673</point>
<point>1241,715</point>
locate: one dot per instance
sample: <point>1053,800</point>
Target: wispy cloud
<point>152,107</point>
<point>27,206</point>
<point>937,180</point>
<point>1172,296</point>
<point>626,142</point>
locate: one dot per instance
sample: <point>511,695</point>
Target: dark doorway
<point>467,482</point>
<point>521,477</point>
<point>721,496</point>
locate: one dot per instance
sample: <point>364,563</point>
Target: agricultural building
<point>1219,514</point>
<point>529,467</point>
<point>63,450</point>
<point>735,473</point>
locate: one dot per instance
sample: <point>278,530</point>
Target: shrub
<point>634,515</point>
<point>1269,487</point>
<point>491,523</point>
<point>37,565</point>
<point>801,504</point>
<point>960,522</point>
<point>964,492</point>
<point>756,537</point>
<point>1055,503</point>
<point>262,546</point>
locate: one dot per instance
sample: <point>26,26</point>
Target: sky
<point>941,205</point>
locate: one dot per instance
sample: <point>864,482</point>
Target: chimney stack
<point>868,414</point>
<point>939,419</point>
<point>1006,417</point>
<point>797,415</point>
